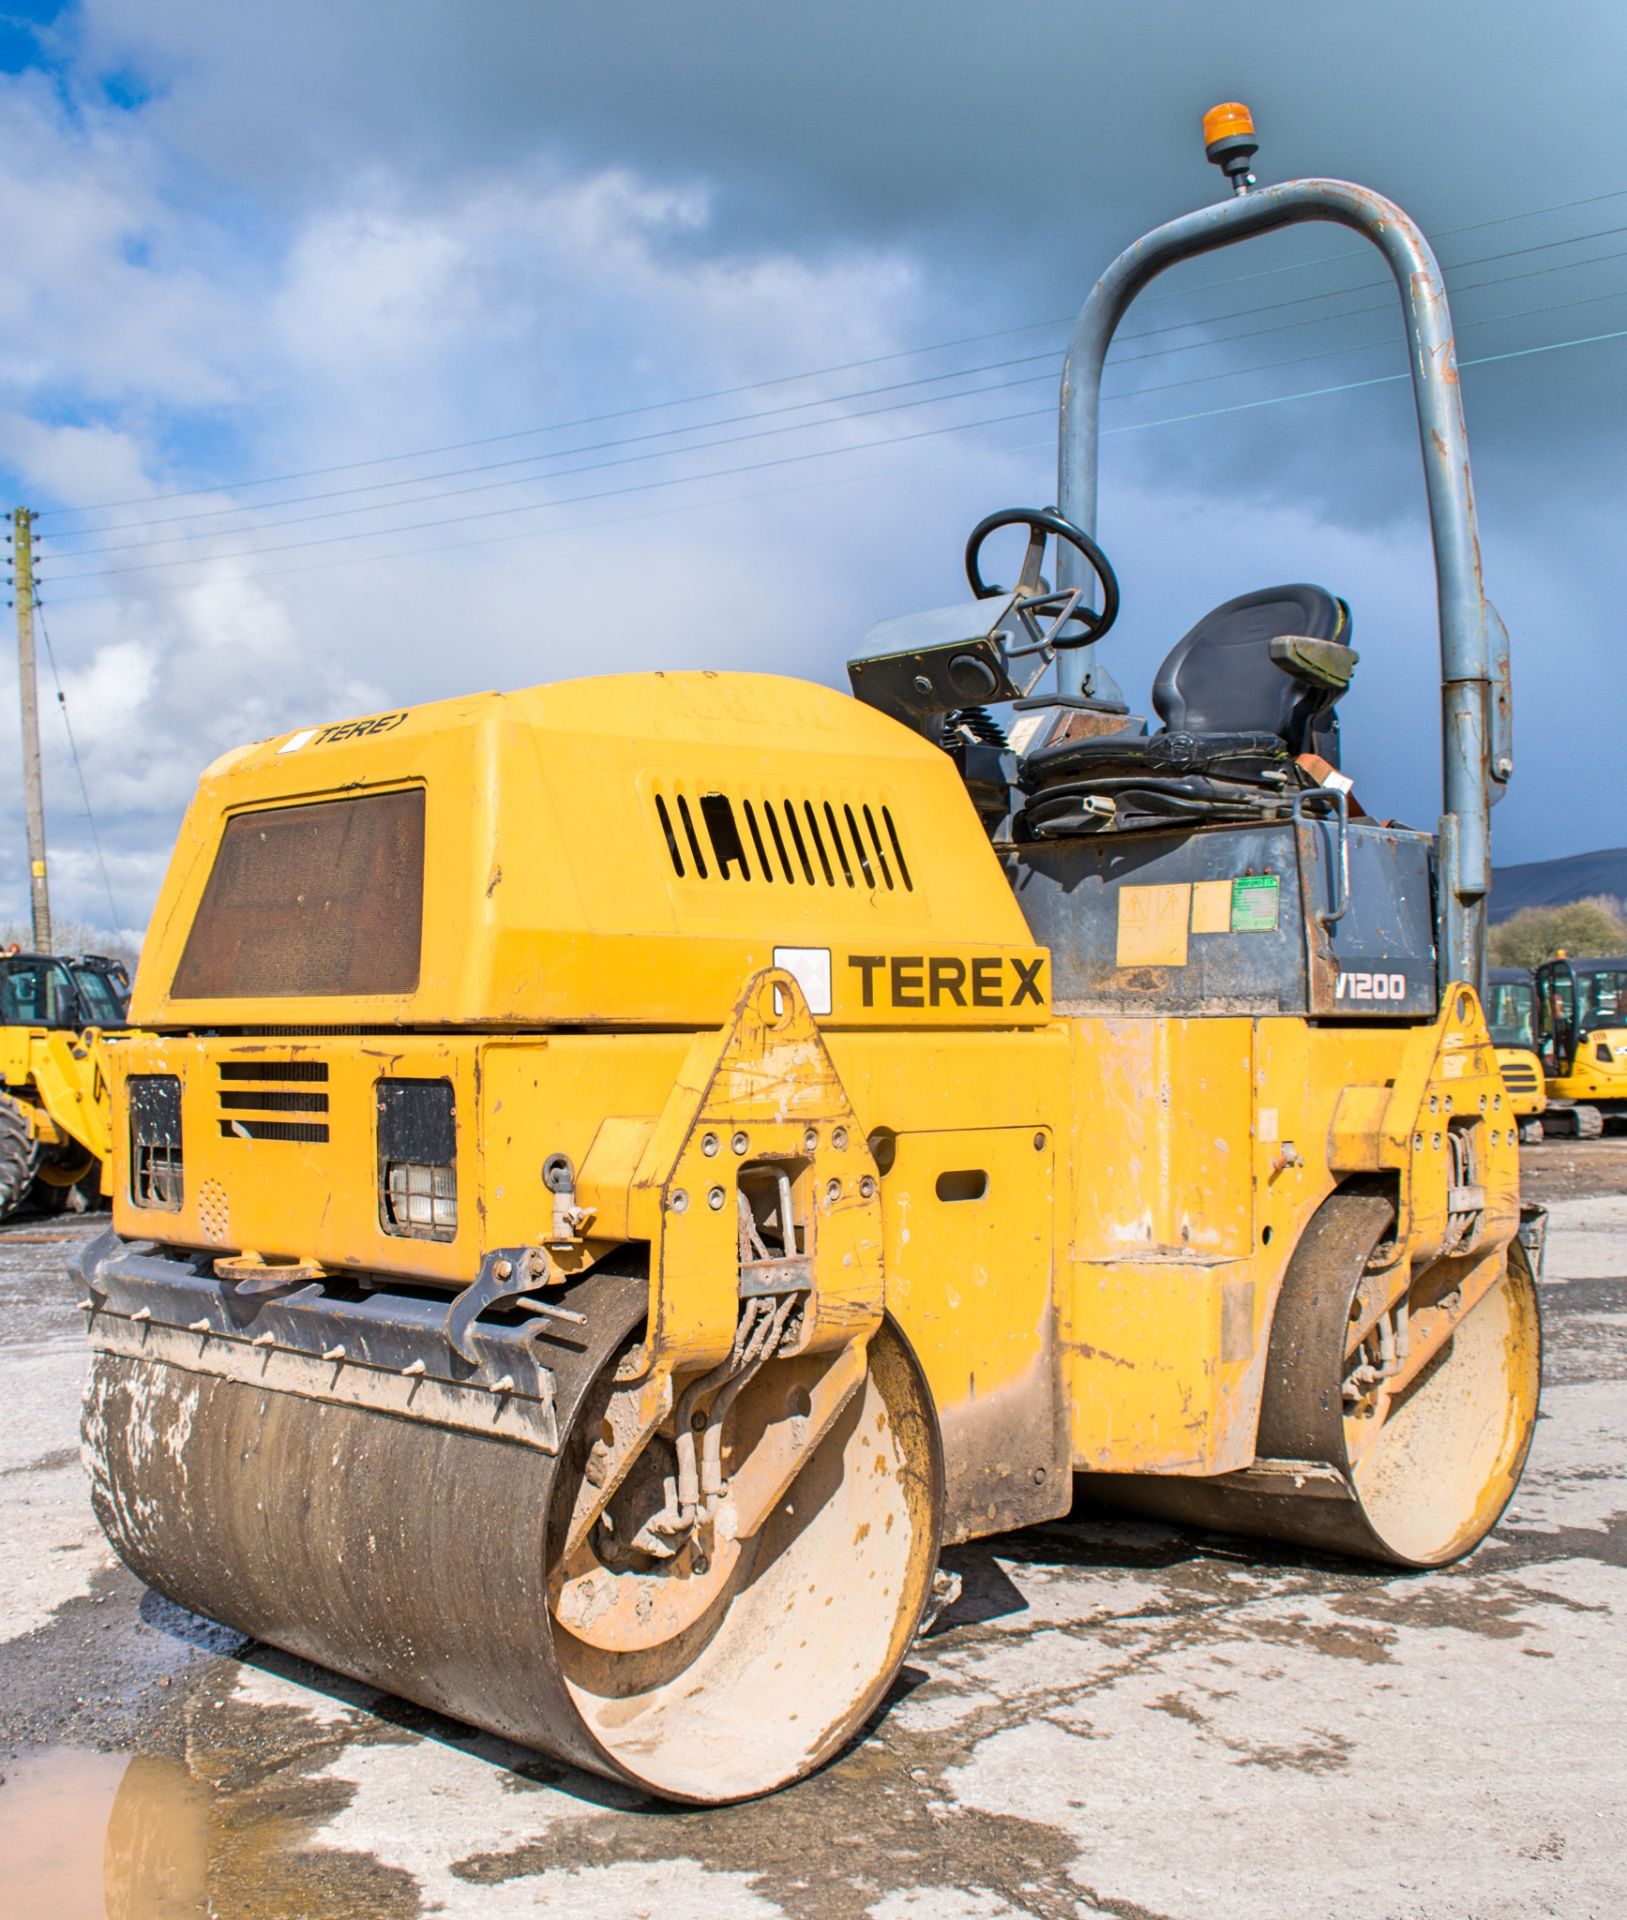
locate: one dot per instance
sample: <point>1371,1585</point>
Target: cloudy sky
<point>355,355</point>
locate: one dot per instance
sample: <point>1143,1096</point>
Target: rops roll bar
<point>1476,717</point>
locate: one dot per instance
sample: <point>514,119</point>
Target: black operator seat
<point>1227,677</point>
<point>1252,686</point>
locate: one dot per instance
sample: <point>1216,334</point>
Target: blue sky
<point>343,345</point>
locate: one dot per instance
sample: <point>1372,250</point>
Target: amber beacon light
<point>1230,142</point>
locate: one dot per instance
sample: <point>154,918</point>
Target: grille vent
<point>1519,1078</point>
<point>786,842</point>
<point>256,1095</point>
<point>214,1212</point>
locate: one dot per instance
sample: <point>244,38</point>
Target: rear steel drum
<point>1416,1478</point>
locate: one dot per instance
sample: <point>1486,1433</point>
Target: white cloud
<point>67,461</point>
<point>109,294</point>
<point>160,323</point>
<point>384,317</point>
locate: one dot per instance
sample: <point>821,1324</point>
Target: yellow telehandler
<point>611,1178</point>
<point>55,1011</point>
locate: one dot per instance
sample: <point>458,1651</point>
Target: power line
<point>1032,413</point>
<point>539,506</point>
<point>773,432</point>
<point>556,426</point>
<point>241,512</point>
<point>526,460</point>
<point>843,367</point>
<point>73,748</point>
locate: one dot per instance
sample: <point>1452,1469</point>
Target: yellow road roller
<point>612,1178</point>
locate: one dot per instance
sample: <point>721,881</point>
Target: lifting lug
<point>505,1273</point>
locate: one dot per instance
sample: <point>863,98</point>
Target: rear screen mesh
<point>323,899</point>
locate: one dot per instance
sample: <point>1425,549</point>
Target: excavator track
<point>1572,1120</point>
<point>426,1557</point>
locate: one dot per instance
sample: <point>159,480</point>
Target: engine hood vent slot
<point>257,1100</point>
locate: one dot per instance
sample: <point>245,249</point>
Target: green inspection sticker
<point>1254,903</point>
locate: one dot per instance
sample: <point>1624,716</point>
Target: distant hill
<point>1551,883</point>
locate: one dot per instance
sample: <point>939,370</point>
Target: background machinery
<point>54,1107</point>
<point>1582,1020</point>
<point>613,1177</point>
<point>1511,1013</point>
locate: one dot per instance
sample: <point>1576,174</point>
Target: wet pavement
<point>1113,1719</point>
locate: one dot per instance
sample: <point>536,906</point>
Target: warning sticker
<point>1152,925</point>
<point>1254,903</point>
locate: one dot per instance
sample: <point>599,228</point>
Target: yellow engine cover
<point>624,851</point>
<point>1522,1081</point>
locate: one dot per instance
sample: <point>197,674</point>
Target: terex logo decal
<point>343,730</point>
<point>358,729</point>
<point>944,980</point>
<point>1371,986</point>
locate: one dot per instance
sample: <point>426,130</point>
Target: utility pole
<point>33,784</point>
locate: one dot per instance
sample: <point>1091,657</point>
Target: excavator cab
<point>1583,1012</point>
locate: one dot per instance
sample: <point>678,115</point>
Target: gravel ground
<point>1574,1169</point>
<point>1114,1718</point>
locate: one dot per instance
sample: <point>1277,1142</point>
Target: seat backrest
<point>1222,679</point>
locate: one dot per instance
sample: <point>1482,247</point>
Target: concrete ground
<point>1113,1719</point>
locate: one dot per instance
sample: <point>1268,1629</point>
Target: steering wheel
<point>1045,523</point>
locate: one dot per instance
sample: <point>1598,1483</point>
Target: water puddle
<point>94,1836</point>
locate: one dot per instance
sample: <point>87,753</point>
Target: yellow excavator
<point>613,1177</point>
<point>1582,1014</point>
<point>56,1012</point>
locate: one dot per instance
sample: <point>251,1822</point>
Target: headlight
<point>155,1140</point>
<point>417,1159</point>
